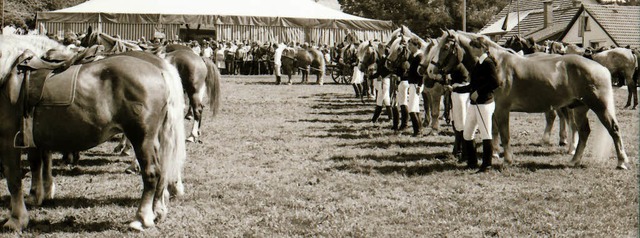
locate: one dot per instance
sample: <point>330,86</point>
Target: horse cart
<point>340,73</point>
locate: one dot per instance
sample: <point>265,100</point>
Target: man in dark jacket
<point>484,81</point>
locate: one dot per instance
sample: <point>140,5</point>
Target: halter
<point>453,52</point>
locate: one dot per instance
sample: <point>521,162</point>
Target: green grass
<point>304,161</point>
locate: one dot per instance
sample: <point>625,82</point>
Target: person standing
<point>414,80</point>
<point>484,81</point>
<point>381,83</point>
<point>459,104</point>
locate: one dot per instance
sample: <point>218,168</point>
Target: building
<point>540,19</point>
<point>604,25</point>
<point>274,20</point>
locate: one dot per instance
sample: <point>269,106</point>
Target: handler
<point>382,83</point>
<point>459,104</point>
<point>414,80</point>
<point>484,80</point>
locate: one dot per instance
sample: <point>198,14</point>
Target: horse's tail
<point>172,148</point>
<point>213,85</point>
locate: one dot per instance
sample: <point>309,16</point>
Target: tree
<point>426,17</point>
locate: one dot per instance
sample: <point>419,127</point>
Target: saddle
<point>47,83</point>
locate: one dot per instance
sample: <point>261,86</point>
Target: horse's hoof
<point>188,118</point>
<point>51,193</point>
<point>191,139</point>
<point>136,226</point>
<point>16,224</point>
<point>31,200</point>
<point>622,166</point>
<point>176,189</point>
<point>563,143</point>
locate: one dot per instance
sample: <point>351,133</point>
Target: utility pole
<point>518,7</point>
<point>464,15</point>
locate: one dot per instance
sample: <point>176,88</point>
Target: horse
<point>118,94</point>
<point>564,80</point>
<point>200,77</point>
<point>530,48</point>
<point>308,60</point>
<point>621,62</point>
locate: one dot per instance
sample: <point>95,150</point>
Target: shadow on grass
<point>70,225</point>
<point>398,158</point>
<point>406,170</point>
<point>77,171</point>
<point>82,202</point>
<point>344,113</point>
<point>534,166</point>
<point>538,153</point>
<point>401,144</point>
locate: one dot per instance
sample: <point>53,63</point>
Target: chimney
<point>548,13</point>
<point>576,3</point>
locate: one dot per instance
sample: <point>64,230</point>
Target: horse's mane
<point>491,43</point>
<point>12,46</point>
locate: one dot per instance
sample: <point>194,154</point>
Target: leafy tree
<point>426,17</point>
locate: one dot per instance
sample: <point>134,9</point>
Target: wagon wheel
<point>335,74</point>
<point>347,73</point>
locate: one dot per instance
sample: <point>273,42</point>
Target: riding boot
<point>388,110</point>
<point>404,114</point>
<point>395,118</point>
<point>457,146</point>
<point>278,80</point>
<point>376,114</point>
<point>355,88</point>
<point>487,154</point>
<point>469,153</point>
<point>416,123</point>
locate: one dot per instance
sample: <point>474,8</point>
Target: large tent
<point>263,20</point>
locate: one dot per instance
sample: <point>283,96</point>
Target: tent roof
<point>189,10</point>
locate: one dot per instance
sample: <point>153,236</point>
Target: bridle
<point>451,45</point>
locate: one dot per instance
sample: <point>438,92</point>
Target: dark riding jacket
<point>460,75</point>
<point>484,81</point>
<point>381,69</point>
<point>412,74</point>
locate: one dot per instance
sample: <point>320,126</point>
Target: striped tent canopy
<point>273,20</point>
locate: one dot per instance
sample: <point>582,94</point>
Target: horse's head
<point>428,52</point>
<point>368,55</point>
<point>555,47</point>
<point>398,54</point>
<point>446,55</point>
<point>90,38</point>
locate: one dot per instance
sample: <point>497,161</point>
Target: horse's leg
<point>632,89</point>
<point>151,174</point>
<point>608,119</point>
<point>19,217</point>
<point>574,128</point>
<point>550,117</point>
<point>36,193</point>
<point>47,173</point>
<point>123,146</point>
<point>580,118</point>
<point>502,120</point>
<point>196,100</point>
<point>447,106</point>
<point>563,119</point>
<point>426,104</point>
<point>436,98</point>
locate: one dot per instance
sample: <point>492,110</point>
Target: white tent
<point>264,20</point>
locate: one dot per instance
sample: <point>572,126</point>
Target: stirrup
<point>17,145</point>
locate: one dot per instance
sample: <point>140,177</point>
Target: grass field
<point>304,161</point>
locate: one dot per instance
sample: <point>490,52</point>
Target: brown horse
<point>621,63</point>
<point>119,94</point>
<point>530,48</point>
<point>200,76</point>
<point>565,81</point>
<point>308,60</point>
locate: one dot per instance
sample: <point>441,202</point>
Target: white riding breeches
<point>277,69</point>
<point>459,104</point>
<point>480,117</point>
<point>403,91</point>
<point>414,97</point>
<point>357,77</point>
<point>382,86</point>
